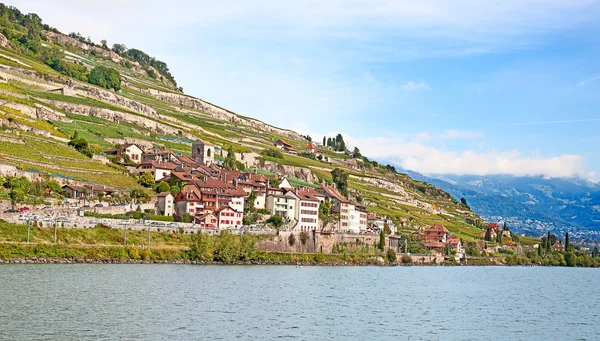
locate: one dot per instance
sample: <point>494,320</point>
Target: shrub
<point>304,237</point>
<point>292,239</point>
<point>272,153</point>
<point>391,256</point>
<point>406,259</point>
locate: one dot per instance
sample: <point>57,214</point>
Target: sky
<point>434,86</point>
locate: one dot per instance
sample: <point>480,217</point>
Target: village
<point>203,195</point>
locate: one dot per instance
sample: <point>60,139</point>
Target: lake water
<point>184,302</point>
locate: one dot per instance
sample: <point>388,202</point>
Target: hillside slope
<point>47,95</point>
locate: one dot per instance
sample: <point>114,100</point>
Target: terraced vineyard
<point>42,108</point>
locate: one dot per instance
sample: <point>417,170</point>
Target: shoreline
<point>47,260</point>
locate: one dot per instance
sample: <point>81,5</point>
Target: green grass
<point>91,236</point>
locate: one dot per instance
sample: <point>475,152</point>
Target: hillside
<point>55,85</point>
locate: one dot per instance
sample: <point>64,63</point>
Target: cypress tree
<point>505,228</point>
<point>567,244</point>
<point>540,250</point>
<point>324,140</point>
<point>499,237</point>
<point>382,240</point>
<point>488,235</point>
<point>548,245</point>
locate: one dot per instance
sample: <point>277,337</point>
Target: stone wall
<point>281,243</point>
<point>319,242</point>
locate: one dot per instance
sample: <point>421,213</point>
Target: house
<point>86,191</point>
<point>207,220</point>
<point>307,210</point>
<point>353,219</point>
<point>339,204</point>
<point>310,148</point>
<point>558,246</point>
<point>134,152</point>
<point>165,205</point>
<point>203,153</point>
<point>376,221</point>
<point>188,203</point>
<point>455,244</point>
<point>494,226</point>
<point>283,205</point>
<point>285,184</point>
<point>161,155</point>
<point>434,246</point>
<point>286,146</point>
<point>363,218</point>
<point>437,233</point>
<point>74,192</point>
<point>227,217</point>
<point>158,169</point>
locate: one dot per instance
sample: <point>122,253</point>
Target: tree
<point>382,240</point>
<point>391,255</point>
<point>274,182</point>
<point>499,237</point>
<point>103,43</point>
<point>488,235</point>
<point>201,247</point>
<point>251,202</point>
<point>567,243</point>
<point>595,252</point>
<point>324,141</point>
<point>229,162</point>
<point>464,202</point>
<point>292,239</point>
<point>80,144</point>
<point>163,187</point>
<point>146,179</point>
<point>548,244</point>
<point>119,48</point>
<point>276,221</point>
<point>17,195</point>
<point>505,228</point>
<point>340,178</point>
<point>175,190</point>
<point>357,154</point>
<point>51,186</point>
<point>540,251</point>
<point>105,77</point>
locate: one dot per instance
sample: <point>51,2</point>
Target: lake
<point>186,302</point>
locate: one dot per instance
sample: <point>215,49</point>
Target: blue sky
<point>465,87</point>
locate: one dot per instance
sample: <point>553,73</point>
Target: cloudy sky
<point>465,87</point>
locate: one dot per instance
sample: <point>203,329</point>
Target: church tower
<point>203,152</point>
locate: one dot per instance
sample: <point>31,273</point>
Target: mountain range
<point>532,204</point>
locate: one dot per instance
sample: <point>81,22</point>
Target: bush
<point>292,239</point>
<point>391,256</point>
<point>304,237</point>
<point>272,153</point>
<point>105,77</point>
<point>406,259</point>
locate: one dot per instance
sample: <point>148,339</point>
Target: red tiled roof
<point>437,228</point>
<point>333,192</point>
<point>310,146</point>
<point>306,195</point>
<point>160,165</point>
<point>187,196</point>
<point>284,143</point>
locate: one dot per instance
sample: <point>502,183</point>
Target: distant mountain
<point>532,204</point>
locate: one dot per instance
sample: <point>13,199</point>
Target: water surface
<point>180,302</point>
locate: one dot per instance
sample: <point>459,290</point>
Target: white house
<point>307,210</point>
<point>165,204</point>
<point>353,219</point>
<point>228,217</point>
<point>133,152</point>
<point>158,169</point>
<point>283,205</point>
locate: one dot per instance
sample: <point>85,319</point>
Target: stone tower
<point>203,152</point>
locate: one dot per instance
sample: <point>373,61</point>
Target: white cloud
<point>414,86</point>
<point>429,160</point>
